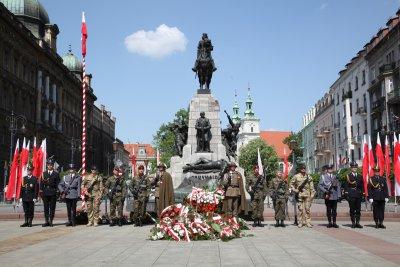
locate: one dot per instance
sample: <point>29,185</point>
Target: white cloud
<point>156,44</point>
<point>323,6</point>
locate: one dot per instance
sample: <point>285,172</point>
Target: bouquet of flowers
<point>205,201</point>
<point>197,220</point>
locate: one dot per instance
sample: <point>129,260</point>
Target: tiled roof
<point>150,151</point>
<point>275,139</point>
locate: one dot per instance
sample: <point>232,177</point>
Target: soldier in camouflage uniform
<point>256,186</point>
<point>140,187</point>
<point>279,193</point>
<point>302,185</point>
<point>116,189</point>
<point>92,186</point>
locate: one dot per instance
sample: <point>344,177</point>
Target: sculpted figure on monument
<point>203,135</point>
<point>180,130</point>
<point>204,65</point>
<point>230,137</point>
<point>203,165</point>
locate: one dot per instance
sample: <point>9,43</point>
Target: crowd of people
<point>93,187</point>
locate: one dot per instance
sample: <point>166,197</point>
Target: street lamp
<point>17,123</point>
<point>75,145</point>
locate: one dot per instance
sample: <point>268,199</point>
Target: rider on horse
<point>204,52</point>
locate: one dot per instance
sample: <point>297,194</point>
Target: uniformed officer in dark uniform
<point>70,189</point>
<point>29,193</point>
<point>354,192</point>
<point>48,190</point>
<point>378,196</point>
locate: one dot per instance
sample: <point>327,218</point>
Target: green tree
<point>249,157</point>
<point>164,137</point>
<point>298,151</point>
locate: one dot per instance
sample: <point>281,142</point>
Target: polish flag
<point>84,34</point>
<point>259,163</point>
<point>365,165</point>
<point>371,159</point>
<point>285,164</point>
<point>380,158</point>
<point>396,166</point>
<point>22,171</point>
<point>40,163</point>
<point>133,160</point>
<point>12,182</point>
<point>387,166</point>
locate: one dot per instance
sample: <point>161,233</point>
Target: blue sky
<point>288,51</point>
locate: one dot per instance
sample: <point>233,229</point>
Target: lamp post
<point>293,145</point>
<point>17,123</point>
<point>75,146</point>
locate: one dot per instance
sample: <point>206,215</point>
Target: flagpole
<point>84,36</point>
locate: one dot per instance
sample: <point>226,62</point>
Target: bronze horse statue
<point>204,71</point>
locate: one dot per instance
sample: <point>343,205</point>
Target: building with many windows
<point>45,88</point>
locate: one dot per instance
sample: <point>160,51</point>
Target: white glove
<point>371,200</point>
<point>20,201</point>
<point>386,200</point>
<point>34,200</point>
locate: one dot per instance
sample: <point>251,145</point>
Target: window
<point>357,103</point>
<point>365,101</point>
<point>337,99</point>
<point>351,109</point>
<point>363,77</point>
<point>349,85</point>
<point>359,152</point>
<point>251,129</point>
<point>365,127</point>
<point>358,128</point>
<point>351,131</point>
<point>356,84</point>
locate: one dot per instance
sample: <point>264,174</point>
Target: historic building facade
<point>366,99</point>
<point>45,88</point>
<point>308,138</point>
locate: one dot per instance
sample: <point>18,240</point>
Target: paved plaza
<point>129,246</point>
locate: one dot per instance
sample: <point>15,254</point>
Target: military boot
<point>353,224</point>
<point>25,224</point>
<point>283,223</point>
<point>381,225</point>
<point>46,224</point>
<point>377,224</point>
<point>260,224</point>
<point>277,224</point>
<point>334,225</point>
<point>329,223</point>
<point>255,223</point>
<point>112,222</point>
<point>295,221</point>
<point>30,222</point>
<point>119,222</point>
<point>358,225</point>
<point>51,223</point>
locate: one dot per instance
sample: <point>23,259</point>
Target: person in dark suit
<point>378,195</point>
<point>70,190</point>
<point>48,190</point>
<point>28,195</point>
<point>354,192</point>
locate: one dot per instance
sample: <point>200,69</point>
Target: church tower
<point>236,117</point>
<point>250,128</point>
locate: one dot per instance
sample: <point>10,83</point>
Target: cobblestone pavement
<point>129,246</point>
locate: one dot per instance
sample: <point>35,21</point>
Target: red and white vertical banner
<point>396,165</point>
<point>380,158</point>
<point>158,157</point>
<point>285,164</point>
<point>133,161</point>
<point>259,163</point>
<point>84,85</point>
<point>365,164</point>
<point>387,165</point>
<point>12,181</point>
<point>371,159</point>
<point>22,170</point>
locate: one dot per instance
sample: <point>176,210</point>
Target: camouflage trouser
<point>304,205</point>
<point>93,209</point>
<point>139,206</point>
<point>232,206</point>
<point>258,208</point>
<point>116,206</point>
<point>280,209</point>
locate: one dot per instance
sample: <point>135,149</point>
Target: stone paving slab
<point>270,246</point>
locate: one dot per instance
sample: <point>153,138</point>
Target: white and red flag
<point>12,181</point>
<point>84,34</point>
<point>396,165</point>
<point>365,165</point>
<point>285,164</point>
<point>380,158</point>
<point>371,159</point>
<point>387,165</point>
<point>133,160</point>
<point>259,163</point>
<point>22,170</point>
